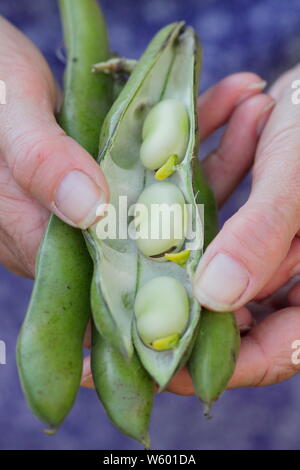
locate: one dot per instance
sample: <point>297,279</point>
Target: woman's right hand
<point>41,169</point>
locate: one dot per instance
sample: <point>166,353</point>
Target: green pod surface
<point>217,343</point>
<point>49,349</point>
<point>167,70</point>
<point>214,355</point>
<point>124,388</point>
<point>87,96</point>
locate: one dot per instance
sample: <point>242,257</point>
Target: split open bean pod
<point>49,349</point>
<point>132,145</point>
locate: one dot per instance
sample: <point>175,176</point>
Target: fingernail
<point>250,89</point>
<point>264,116</point>
<point>78,198</point>
<point>260,85</point>
<point>244,329</point>
<point>222,282</point>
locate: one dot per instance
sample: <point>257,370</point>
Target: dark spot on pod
<point>233,355</point>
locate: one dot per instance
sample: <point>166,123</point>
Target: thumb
<point>243,256</point>
<point>53,167</point>
<point>45,162</point>
<point>252,244</point>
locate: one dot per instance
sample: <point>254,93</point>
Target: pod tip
<point>207,410</point>
<point>50,431</point>
<point>146,441</point>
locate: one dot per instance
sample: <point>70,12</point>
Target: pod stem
<point>207,410</point>
<point>50,431</point>
<point>115,66</point>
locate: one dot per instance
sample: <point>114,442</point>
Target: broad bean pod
<point>49,349</point>
<point>165,74</point>
<point>217,344</point>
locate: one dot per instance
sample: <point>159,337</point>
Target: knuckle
<point>279,371</point>
<point>32,151</point>
<point>276,364</point>
<point>255,233</point>
<point>283,140</point>
<point>219,157</point>
<point>249,110</point>
<point>261,373</point>
<point>29,156</point>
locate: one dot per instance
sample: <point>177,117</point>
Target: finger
<point>88,337</point>
<point>55,170</point>
<point>216,105</point>
<point>227,165</point>
<point>294,295</point>
<point>243,256</point>
<point>244,320</point>
<point>284,82</point>
<point>87,378</point>
<point>43,160</point>
<point>268,353</point>
<point>181,383</point>
<point>289,268</point>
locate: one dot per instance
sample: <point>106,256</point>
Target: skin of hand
<point>41,169</point>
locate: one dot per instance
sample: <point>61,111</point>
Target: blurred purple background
<point>261,36</point>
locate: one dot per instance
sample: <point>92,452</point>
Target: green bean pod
<point>216,348</point>
<point>49,349</point>
<point>122,267</point>
<point>124,388</point>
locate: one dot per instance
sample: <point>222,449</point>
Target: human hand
<point>41,169</point>
<point>258,251</point>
